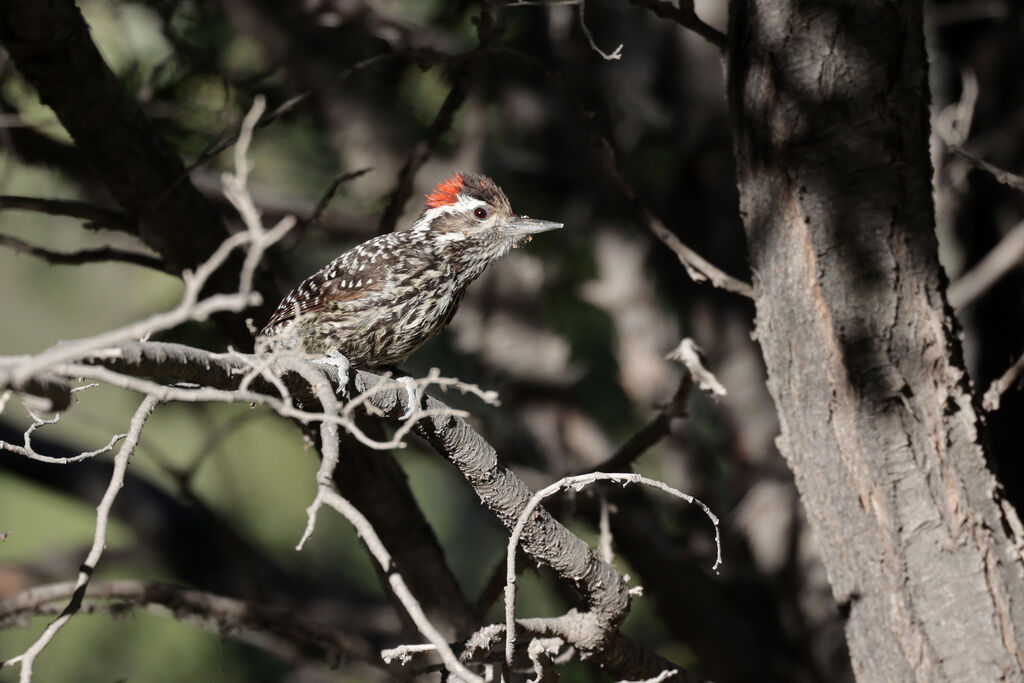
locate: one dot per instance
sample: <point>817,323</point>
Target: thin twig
<point>685,16</point>
<point>1001,385</point>
<point>1001,175</point>
<point>691,356</point>
<point>27,450</point>
<point>95,216</point>
<point>422,56</point>
<point>99,542</point>
<point>650,434</point>
<point>85,256</point>
<point>999,261</point>
<point>327,495</point>
<point>191,307</point>
<point>250,622</point>
<point>953,126</point>
<point>397,583</point>
<point>404,653</point>
<point>615,54</point>
<point>321,205</point>
<point>577,483</point>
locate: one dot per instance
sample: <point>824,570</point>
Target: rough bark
<point>829,107</point>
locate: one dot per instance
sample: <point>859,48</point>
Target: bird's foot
<point>414,398</point>
<point>336,360</point>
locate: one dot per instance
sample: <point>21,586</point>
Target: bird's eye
<point>480,213</point>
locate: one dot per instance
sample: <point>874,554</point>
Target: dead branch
<point>612,56</point>
<point>95,217</point>
<point>98,255</point>
<point>28,451</point>
<point>685,16</point>
<point>600,630</point>
<point>1002,384</point>
<point>650,434</point>
<point>282,631</point>
<point>542,537</point>
<point>691,356</point>
<point>999,261</point>
<point>99,543</point>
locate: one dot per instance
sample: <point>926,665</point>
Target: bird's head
<point>471,209</point>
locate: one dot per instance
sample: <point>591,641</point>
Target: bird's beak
<point>521,226</point>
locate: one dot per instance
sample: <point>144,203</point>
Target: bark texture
<point>830,111</point>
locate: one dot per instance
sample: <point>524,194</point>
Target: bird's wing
<point>357,276</point>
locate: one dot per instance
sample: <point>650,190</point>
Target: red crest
<point>446,193</point>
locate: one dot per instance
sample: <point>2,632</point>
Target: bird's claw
<point>336,360</point>
<point>410,390</point>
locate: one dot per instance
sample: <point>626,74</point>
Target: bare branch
<point>685,16</point>
<point>191,306</point>
<point>321,205</point>
<point>544,539</point>
<point>27,658</point>
<point>95,217</point>
<point>615,54</point>
<point>1003,176</point>
<point>691,356</point>
<point>1001,385</point>
<point>85,256</point>
<point>397,583</point>
<point>953,126</point>
<point>326,495</point>
<point>650,434</point>
<point>282,631</point>
<point>28,451</point>
<point>404,653</point>
<point>697,267</point>
<point>48,392</point>
<point>577,483</point>
<point>1003,258</point>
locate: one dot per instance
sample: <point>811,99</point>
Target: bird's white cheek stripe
<point>463,204</point>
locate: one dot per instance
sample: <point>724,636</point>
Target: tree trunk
<point>829,104</point>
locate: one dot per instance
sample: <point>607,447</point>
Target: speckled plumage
<point>380,301</point>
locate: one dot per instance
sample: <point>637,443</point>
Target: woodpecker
<point>380,301</point>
